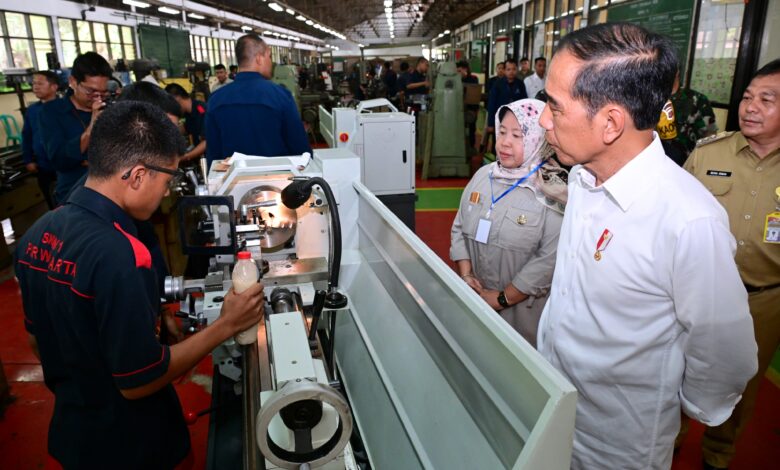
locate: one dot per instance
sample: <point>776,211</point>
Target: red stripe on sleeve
<point>154,364</point>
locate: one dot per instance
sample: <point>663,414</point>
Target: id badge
<point>483,230</point>
<point>772,228</point>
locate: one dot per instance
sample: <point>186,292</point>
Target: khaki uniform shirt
<point>746,186</point>
<point>520,249</point>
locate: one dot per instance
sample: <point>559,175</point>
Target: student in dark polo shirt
<point>194,112</point>
<point>91,304</point>
<point>66,123</point>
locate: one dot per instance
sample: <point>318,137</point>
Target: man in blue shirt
<point>194,112</point>
<point>44,87</point>
<point>504,91</point>
<point>91,305</point>
<point>66,123</point>
<point>418,81</point>
<point>253,115</point>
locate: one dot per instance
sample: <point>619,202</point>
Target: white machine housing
<point>383,140</point>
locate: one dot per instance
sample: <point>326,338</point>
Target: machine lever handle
<point>404,153</point>
<point>318,305</point>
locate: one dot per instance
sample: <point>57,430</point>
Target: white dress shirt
<point>660,320</point>
<point>533,85</point>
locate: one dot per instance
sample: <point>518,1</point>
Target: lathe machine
<point>372,353</point>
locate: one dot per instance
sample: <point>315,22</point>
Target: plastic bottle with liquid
<point>245,275</point>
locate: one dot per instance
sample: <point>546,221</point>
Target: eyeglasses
<point>178,174</point>
<point>91,91</point>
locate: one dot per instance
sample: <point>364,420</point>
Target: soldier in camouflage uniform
<point>694,116</point>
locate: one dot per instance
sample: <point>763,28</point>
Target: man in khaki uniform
<point>742,170</point>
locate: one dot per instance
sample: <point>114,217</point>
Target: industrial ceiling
<point>361,21</point>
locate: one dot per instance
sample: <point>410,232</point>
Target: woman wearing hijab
<point>505,234</point>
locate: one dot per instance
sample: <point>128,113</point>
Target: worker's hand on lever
<point>241,311</point>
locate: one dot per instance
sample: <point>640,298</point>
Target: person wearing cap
<point>742,170</point>
<point>505,233</point>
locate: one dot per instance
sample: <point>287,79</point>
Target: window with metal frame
<point>24,40</point>
<point>109,40</point>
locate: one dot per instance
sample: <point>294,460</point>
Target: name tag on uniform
<point>483,230</point>
<point>721,173</point>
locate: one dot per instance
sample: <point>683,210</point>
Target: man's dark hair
<point>524,59</point>
<point>769,69</point>
<point>219,67</point>
<point>404,66</point>
<point>500,63</point>
<point>150,93</point>
<point>90,64</point>
<point>463,64</point>
<point>388,65</point>
<point>50,76</point>
<point>177,91</point>
<point>510,61</point>
<point>147,136</point>
<point>539,59</point>
<point>233,67</point>
<point>421,60</point>
<point>248,46</point>
<point>624,64</point>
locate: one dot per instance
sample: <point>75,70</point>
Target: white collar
<point>629,182</point>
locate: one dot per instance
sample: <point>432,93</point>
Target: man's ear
<point>137,175</point>
<point>615,120</point>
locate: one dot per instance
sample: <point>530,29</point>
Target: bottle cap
<point>244,255</point>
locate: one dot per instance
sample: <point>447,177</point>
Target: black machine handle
<point>404,154</point>
<point>316,312</point>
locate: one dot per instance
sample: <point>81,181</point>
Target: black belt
<point>753,289</point>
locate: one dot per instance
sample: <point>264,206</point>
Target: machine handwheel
<point>300,405</point>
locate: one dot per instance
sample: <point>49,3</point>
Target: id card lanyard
<point>494,200</point>
<point>483,228</point>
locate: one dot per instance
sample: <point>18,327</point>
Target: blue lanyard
<point>494,200</point>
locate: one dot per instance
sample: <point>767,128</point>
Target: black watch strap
<point>502,300</point>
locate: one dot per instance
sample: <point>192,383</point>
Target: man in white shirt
<point>222,77</point>
<point>647,312</point>
<point>534,83</point>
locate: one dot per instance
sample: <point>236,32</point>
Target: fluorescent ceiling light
<point>275,34</point>
<point>246,28</point>
<point>388,3</point>
<point>283,36</point>
<point>170,11</point>
<point>300,18</point>
<point>292,12</point>
<point>446,31</point>
<point>133,3</point>
<point>196,16</point>
<point>388,10</point>
<point>275,6</point>
<point>309,22</point>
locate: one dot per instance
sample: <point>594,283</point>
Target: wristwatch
<point>502,300</point>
